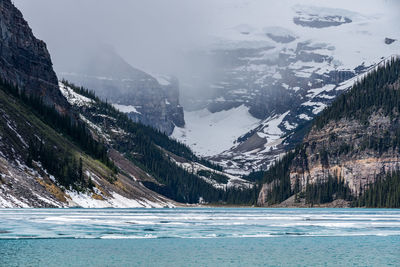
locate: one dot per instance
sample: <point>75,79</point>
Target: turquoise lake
<point>199,237</point>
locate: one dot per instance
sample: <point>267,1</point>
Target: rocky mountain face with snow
<point>355,140</point>
<point>150,100</point>
<point>36,157</point>
<point>280,78</point>
<point>24,60</point>
<point>39,157</point>
<point>96,156</point>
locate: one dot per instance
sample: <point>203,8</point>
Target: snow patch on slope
<point>163,80</point>
<point>126,108</point>
<point>86,200</point>
<point>74,98</point>
<point>211,133</point>
<point>233,181</point>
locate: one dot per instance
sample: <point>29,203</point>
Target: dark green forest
<point>58,162</point>
<point>146,147</point>
<point>143,149</point>
<point>384,193</point>
<point>326,191</point>
<point>376,91</point>
<point>379,91</point>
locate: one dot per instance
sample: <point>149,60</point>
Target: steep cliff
<point>24,60</point>
<point>352,143</point>
<point>94,155</point>
<point>151,100</point>
<point>48,159</point>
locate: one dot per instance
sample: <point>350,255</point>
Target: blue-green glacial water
<point>199,237</point>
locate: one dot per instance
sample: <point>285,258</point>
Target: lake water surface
<point>199,237</point>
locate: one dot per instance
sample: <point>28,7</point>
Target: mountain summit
<point>25,61</point>
<point>151,100</point>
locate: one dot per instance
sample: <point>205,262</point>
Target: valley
<point>288,115</point>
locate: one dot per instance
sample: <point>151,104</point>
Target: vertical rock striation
<point>151,100</point>
<point>24,60</point>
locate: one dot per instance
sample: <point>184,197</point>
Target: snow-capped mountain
<point>274,76</point>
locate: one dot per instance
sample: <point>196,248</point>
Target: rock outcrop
<point>354,142</point>
<point>339,150</point>
<point>25,179</point>
<point>24,60</point>
<point>148,99</point>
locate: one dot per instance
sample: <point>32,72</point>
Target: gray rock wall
<point>24,60</point>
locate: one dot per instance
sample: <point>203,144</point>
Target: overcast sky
<point>147,33</point>
<point>151,34</point>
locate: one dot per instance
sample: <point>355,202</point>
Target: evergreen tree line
<point>66,124</point>
<point>179,184</point>
<point>378,91</point>
<point>255,176</point>
<point>372,93</point>
<point>384,193</point>
<point>143,149</point>
<point>326,191</point>
<point>213,175</point>
<point>383,142</point>
<point>159,138</point>
<point>81,90</point>
<point>279,175</point>
<point>61,164</point>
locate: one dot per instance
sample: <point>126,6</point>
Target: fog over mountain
<point>150,35</point>
<point>155,35</point>
<point>158,103</point>
<point>249,73</point>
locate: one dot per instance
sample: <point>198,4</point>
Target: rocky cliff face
<point>150,100</point>
<point>24,60</point>
<point>356,140</point>
<point>285,74</point>
<point>26,181</point>
<point>342,149</point>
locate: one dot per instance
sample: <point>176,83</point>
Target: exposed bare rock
<point>150,99</point>
<point>327,153</point>
<point>265,189</point>
<point>389,41</point>
<point>24,60</point>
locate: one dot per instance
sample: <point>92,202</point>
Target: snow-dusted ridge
<point>73,98</point>
<point>294,64</point>
<point>24,187</point>
<point>234,181</point>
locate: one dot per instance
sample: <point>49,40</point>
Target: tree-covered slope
<point>48,159</point>
<point>85,152</point>
<point>180,174</point>
<point>351,149</point>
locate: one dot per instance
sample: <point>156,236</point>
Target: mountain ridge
<point>353,142</point>
<point>150,100</point>
<point>25,61</point>
<point>300,76</point>
<point>89,154</point>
